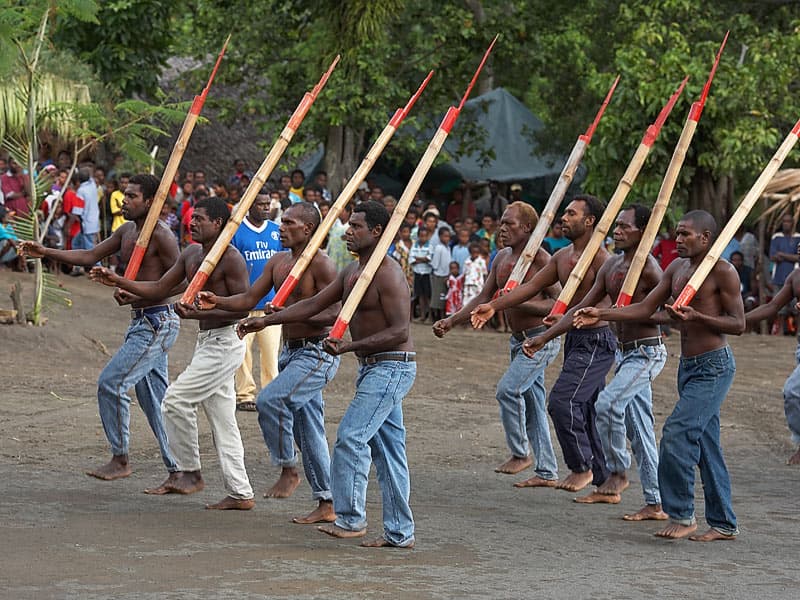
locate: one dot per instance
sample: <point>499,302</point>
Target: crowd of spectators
<point>446,260</point>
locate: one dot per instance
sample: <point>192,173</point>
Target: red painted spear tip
<point>587,137</point>
<point>477,72</point>
<point>416,95</point>
<point>713,71</point>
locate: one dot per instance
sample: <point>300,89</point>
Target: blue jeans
<point>691,438</point>
<point>625,409</point>
<point>521,395</point>
<point>141,362</point>
<point>291,409</point>
<point>373,426</point>
<point>791,399</point>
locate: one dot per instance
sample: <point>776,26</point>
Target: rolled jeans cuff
<point>685,522</point>
<point>726,530</point>
<point>285,462</point>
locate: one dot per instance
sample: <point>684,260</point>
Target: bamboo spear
<point>699,276</point>
<point>344,197</point>
<point>258,181</point>
<point>556,196</point>
<point>168,176</point>
<point>614,204</point>
<point>665,193</point>
<point>382,247</point>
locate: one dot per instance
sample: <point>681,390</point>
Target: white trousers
<point>269,346</point>
<point>208,382</point>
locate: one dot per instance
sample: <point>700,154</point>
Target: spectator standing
<point>440,265</point>
<point>337,247</point>
<point>783,254</point>
<point>489,229</point>
<point>421,256</point>
<point>321,181</point>
<point>258,240</point>
<point>460,252</point>
<point>115,202</point>
<point>15,188</point>
<point>402,252</point>
<point>475,272</point>
<point>460,206</point>
<point>747,281</point>
<point>455,290</point>
<point>296,191</point>
<point>556,240</point>
<point>89,213</point>
<point>666,250</point>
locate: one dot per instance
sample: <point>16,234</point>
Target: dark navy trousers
<point>588,356</point>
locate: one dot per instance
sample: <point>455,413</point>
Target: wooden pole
<point>253,189</point>
<point>168,176</point>
<point>347,193</point>
<point>665,193</point>
<point>556,196</point>
<point>702,271</point>
<point>382,247</point>
<point>614,204</point>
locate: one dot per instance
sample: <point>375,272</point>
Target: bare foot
<point>382,543</point>
<point>286,485</point>
<point>514,465</point>
<point>598,498</point>
<point>322,514</point>
<point>712,535</point>
<point>228,503</point>
<point>537,482</point>
<point>336,531</point>
<point>615,484</point>
<point>794,459</point>
<point>186,482</point>
<point>575,481</point>
<point>164,488</point>
<point>651,512</point>
<point>675,531</point>
<point>116,468</point>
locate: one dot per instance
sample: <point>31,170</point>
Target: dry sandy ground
<point>65,535</point>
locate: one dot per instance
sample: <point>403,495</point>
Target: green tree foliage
<point>127,43</point>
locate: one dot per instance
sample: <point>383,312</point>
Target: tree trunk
<point>486,78</point>
<point>710,195</point>
<point>342,148</point>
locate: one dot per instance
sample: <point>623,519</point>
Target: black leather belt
<point>520,336</point>
<point>298,343</point>
<point>651,341</point>
<point>386,356</point>
<point>138,313</point>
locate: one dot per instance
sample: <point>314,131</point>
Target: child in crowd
<point>402,250</point>
<point>475,273</point>
<point>455,291</point>
<point>440,263</point>
<point>420,256</point>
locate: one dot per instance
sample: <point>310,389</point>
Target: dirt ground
<point>65,535</point>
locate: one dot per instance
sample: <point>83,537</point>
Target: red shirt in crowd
<point>666,251</point>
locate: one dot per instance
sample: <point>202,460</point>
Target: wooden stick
<point>382,247</point>
<point>344,197</point>
<point>253,189</point>
<point>556,196</point>
<point>614,204</point>
<point>168,176</point>
<point>665,193</point>
<point>690,289</point>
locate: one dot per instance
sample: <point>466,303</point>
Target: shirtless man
<point>588,354</point>
<point>791,389</point>
<point>520,392</point>
<point>208,380</point>
<point>691,433</point>
<point>372,426</point>
<point>141,361</point>
<point>626,404</point>
<point>292,401</point>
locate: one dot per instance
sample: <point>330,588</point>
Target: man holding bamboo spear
<point>141,361</point>
<point>691,434</point>
<point>791,389</point>
<point>625,406</point>
<point>208,380</point>
<point>372,428</point>
<point>521,392</point>
<point>291,407</point>
<point>588,355</point>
